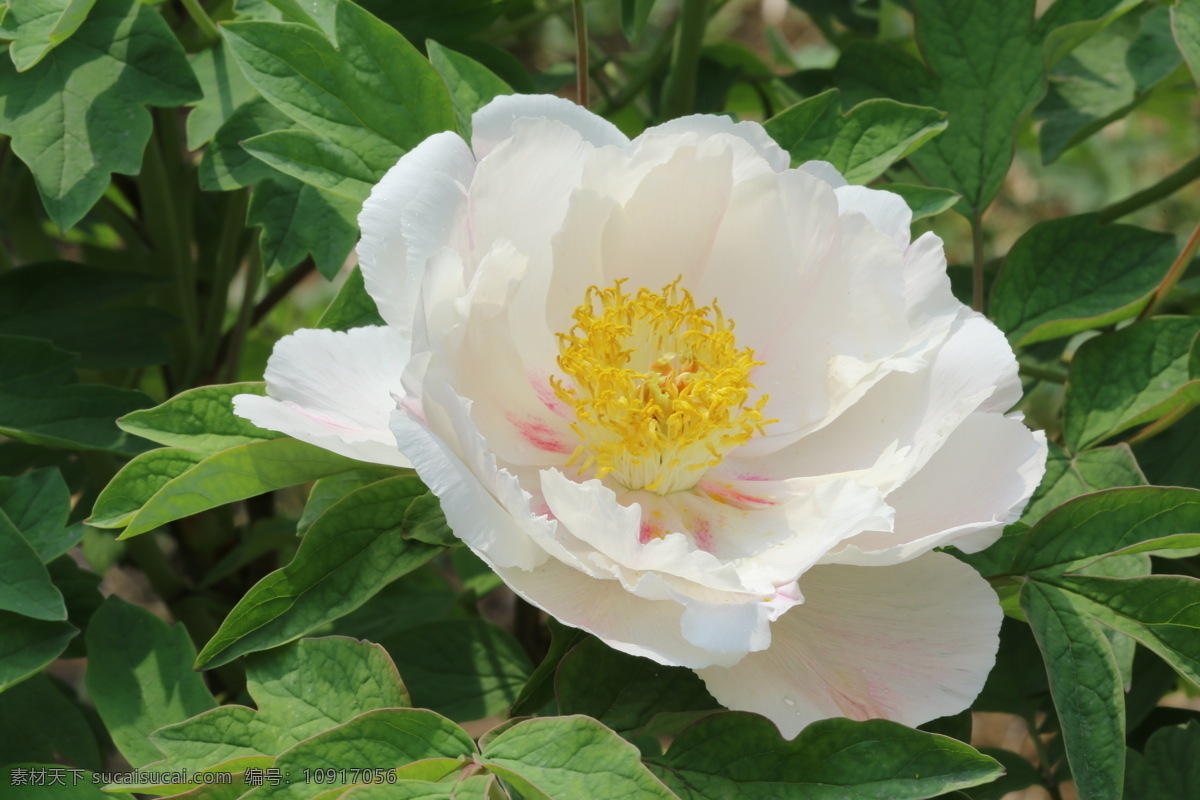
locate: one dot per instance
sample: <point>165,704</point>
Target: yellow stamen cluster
<point>660,389</point>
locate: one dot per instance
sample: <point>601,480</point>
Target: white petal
<point>755,150</point>
<point>887,211</point>
<point>823,170</point>
<point>334,390</point>
<point>494,122</point>
<point>909,643</point>
<point>410,214</point>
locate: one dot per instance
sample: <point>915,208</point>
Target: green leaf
<point>1069,476</point>
<point>27,645</point>
<point>62,113</point>
<point>81,592</point>
<point>1104,78</point>
<point>1169,460</point>
<point>51,723</point>
<point>41,403</point>
<point>372,93</point>
<point>925,201</point>
<point>539,689</point>
<point>38,504</point>
<point>383,739</point>
<point>200,419</point>
<point>1086,687</point>
<point>225,91</point>
<point>140,676</point>
<point>225,166</point>
<point>352,308</point>
<point>1137,519</point>
<point>328,491</point>
<point>25,585</point>
<point>137,482</point>
<point>471,84</point>
<point>1129,377</point>
<point>742,755</point>
<point>437,19</point>
<point>299,220</point>
<point>86,311</point>
<point>465,669</point>
<point>1185,25</point>
<point>1170,767</point>
<point>353,550</point>
<point>419,597</point>
<point>1072,274</point>
<point>625,692</point>
<point>301,690</point>
<point>476,787</point>
<point>234,474</point>
<point>569,757</point>
<point>38,26</point>
<point>861,143</point>
<point>315,160</point>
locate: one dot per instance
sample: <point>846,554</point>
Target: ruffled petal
<point>334,390</point>
<point>411,214</point>
<point>754,150</point>
<point>909,643</point>
<point>494,123</point>
<point>887,211</point>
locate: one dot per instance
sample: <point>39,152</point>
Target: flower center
<point>661,389</point>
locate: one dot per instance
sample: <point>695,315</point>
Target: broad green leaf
<point>568,757</point>
<point>1069,476</point>
<point>1133,565</point>
<point>984,65</point>
<point>38,26</point>
<point>539,689</point>
<point>1185,25</point>
<point>225,165</point>
<point>437,19</point>
<point>352,308</point>
<point>1160,611</point>
<point>371,93</point>
<point>264,537</point>
<point>81,593</point>
<point>137,482</point>
<point>383,739</point>
<point>742,755</point>
<point>25,585</point>
<point>861,143</point>
<point>1169,767</point>
<point>38,504</point>
<point>1137,519</point>
<point>471,84</point>
<point>1170,459</point>
<point>300,220</point>
<point>301,690</point>
<point>623,691</point>
<point>225,90</point>
<point>27,645</point>
<point>419,597</point>
<point>1104,78</point>
<point>319,16</point>
<point>85,310</point>
<point>353,550</point>
<point>1086,687</point>
<point>328,491</point>
<point>465,669</point>
<point>313,159</point>
<point>925,201</point>
<point>1072,274</point>
<point>62,113</point>
<point>230,475</point>
<point>140,676</point>
<point>41,403</point>
<point>199,419</point>
<point>50,722</point>
<point>476,787</point>
<point>1127,378</point>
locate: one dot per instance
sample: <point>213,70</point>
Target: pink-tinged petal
<point>648,628</point>
<point>824,171</point>
<point>887,211</point>
<point>754,150</point>
<point>411,214</point>
<point>909,643</point>
<point>494,123</point>
<point>958,498</point>
<point>334,390</point>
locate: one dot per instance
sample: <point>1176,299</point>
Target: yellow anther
<point>660,390</point>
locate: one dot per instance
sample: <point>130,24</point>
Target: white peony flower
<point>716,411</point>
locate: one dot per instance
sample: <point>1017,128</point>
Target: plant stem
<point>632,87</point>
<point>977,265</point>
<point>1041,373</point>
<point>230,348</point>
<point>1167,186</point>
<point>679,92</point>
<point>203,21</point>
<point>227,257</point>
<point>1173,274</point>
<point>581,55</point>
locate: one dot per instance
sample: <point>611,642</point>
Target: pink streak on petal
<point>539,434</point>
<point>724,493</point>
<point>545,392</point>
